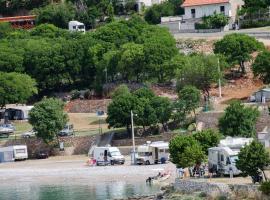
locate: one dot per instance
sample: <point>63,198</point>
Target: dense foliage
<point>15,88</point>
<point>59,60</point>
<point>237,48</point>
<point>167,8</point>
<point>239,120</point>
<point>48,118</point>
<point>57,14</point>
<point>252,159</point>
<point>185,151</point>
<point>148,108</point>
<point>207,138</point>
<point>265,187</point>
<point>200,71</point>
<point>215,21</point>
<point>261,66</point>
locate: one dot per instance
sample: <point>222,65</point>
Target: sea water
<point>70,191</point>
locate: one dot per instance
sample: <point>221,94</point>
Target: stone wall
<point>210,120</point>
<point>87,106</point>
<point>214,190</point>
<point>73,145</point>
<point>139,141</point>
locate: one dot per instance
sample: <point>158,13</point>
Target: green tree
<point>119,111</point>
<point>5,29</point>
<point>261,66</point>
<point>146,115</point>
<point>154,13</point>
<point>16,88</point>
<point>185,151</point>
<point>238,120</point>
<point>237,48</point>
<point>163,109</point>
<point>144,92</point>
<point>207,139</point>
<point>11,58</point>
<point>159,47</point>
<point>56,14</point>
<point>48,118</point>
<point>190,96</point>
<point>200,71</point>
<point>120,90</point>
<point>252,159</point>
<point>132,61</point>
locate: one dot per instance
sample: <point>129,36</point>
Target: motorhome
<point>76,26</point>
<point>13,153</point>
<point>153,153</point>
<point>222,159</point>
<point>107,155</point>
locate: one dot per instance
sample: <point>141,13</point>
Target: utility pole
<point>133,139</point>
<point>219,80</point>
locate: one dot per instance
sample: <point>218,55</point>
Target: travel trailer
<point>222,159</point>
<point>13,153</point>
<point>153,153</point>
<point>76,26</point>
<point>107,155</point>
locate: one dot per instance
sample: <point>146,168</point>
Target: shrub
<point>265,188</point>
<point>254,24</point>
<point>214,21</point>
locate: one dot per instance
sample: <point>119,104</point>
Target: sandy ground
<point>58,170</point>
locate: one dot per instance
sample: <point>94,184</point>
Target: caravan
<point>76,26</point>
<point>222,159</point>
<point>153,153</point>
<point>107,155</point>
<point>13,153</point>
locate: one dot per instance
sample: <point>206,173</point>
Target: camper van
<point>13,153</point>
<point>222,159</point>
<point>76,26</point>
<point>108,155</point>
<point>153,153</point>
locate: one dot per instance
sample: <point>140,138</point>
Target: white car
<point>28,134</point>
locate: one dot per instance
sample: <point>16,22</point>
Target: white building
<point>196,9</point>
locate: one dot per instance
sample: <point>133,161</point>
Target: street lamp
<point>133,160</point>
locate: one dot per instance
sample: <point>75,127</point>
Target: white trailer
<point>222,159</point>
<point>108,155</point>
<point>153,153</point>
<point>13,153</point>
<point>76,26</point>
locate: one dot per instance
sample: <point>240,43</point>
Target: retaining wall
<point>73,145</point>
<point>214,190</point>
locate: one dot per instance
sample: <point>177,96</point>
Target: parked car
<point>42,154</point>
<point>5,131</point>
<point>67,131</point>
<point>10,126</point>
<point>28,134</point>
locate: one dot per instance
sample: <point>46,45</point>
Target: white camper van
<point>108,155</point>
<point>153,153</point>
<point>76,26</point>
<point>222,159</point>
<point>12,153</point>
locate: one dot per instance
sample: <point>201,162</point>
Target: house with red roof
<point>196,9</point>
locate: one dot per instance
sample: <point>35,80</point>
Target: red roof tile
<point>188,3</point>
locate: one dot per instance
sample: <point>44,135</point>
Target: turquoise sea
<point>70,191</point>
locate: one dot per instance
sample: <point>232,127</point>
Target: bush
<point>75,94</point>
<point>214,21</point>
<point>254,24</point>
<point>265,188</point>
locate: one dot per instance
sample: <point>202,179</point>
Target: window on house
<point>193,13</point>
<point>222,9</point>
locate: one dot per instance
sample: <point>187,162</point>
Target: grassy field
<point>84,124</point>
